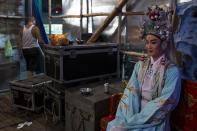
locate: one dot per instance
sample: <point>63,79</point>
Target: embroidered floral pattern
<point>132,89</point>
<point>124,106</point>
<point>159,75</point>
<point>191,100</point>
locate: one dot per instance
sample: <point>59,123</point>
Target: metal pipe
<point>81,18</point>
<point>119,27</point>
<point>4,90</point>
<point>30,8</point>
<point>127,31</point>
<point>92,19</point>
<point>49,15</point>
<point>87,5</point>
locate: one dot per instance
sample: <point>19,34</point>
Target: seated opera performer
<point>154,88</point>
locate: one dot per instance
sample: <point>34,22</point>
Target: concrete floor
<point>11,117</point>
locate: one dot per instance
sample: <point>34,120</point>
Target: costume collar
<point>159,61</point>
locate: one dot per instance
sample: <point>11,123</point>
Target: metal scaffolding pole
<point>81,18</point>
<point>49,15</point>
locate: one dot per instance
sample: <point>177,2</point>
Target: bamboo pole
<point>132,53</point>
<point>133,13</point>
<point>11,17</point>
<point>98,14</point>
<point>106,22</point>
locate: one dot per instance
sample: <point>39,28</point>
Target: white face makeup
<point>153,46</point>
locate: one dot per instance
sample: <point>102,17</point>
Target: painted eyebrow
<point>154,40</point>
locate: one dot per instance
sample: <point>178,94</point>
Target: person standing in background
<point>31,42</point>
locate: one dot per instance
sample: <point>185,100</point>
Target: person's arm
<point>125,103</point>
<point>158,109</point>
<point>133,82</point>
<point>37,35</point>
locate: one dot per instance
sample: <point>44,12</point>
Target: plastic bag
<point>8,48</point>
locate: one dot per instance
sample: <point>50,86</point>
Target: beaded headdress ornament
<point>157,23</point>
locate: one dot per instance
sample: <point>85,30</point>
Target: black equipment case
<point>54,101</point>
<point>74,63</point>
<point>28,93</point>
<point>84,112</point>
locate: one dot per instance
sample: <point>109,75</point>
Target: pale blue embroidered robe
<point>155,115</point>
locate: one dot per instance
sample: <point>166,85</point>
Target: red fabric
<point>113,103</point>
<point>184,117</point>
<point>104,121</point>
<point>191,95</point>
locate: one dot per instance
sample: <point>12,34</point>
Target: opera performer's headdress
<point>157,23</point>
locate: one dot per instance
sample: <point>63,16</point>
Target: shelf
<point>12,17</point>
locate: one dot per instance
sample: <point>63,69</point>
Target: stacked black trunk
<point>29,93</point>
<point>74,63</point>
